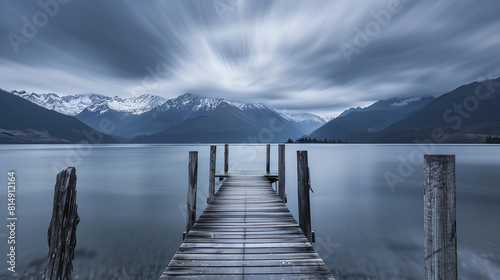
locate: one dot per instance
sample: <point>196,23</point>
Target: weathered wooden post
<point>192,188</point>
<point>268,158</point>
<point>440,234</point>
<point>62,228</point>
<point>211,177</point>
<point>303,193</point>
<point>226,158</point>
<point>281,172</point>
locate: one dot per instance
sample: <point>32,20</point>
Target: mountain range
<point>465,115</point>
<point>186,118</point>
<point>22,121</point>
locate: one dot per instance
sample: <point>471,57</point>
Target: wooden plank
<point>253,277</point>
<point>207,270</point>
<point>223,257</point>
<point>281,250</point>
<point>303,193</point>
<point>247,263</point>
<point>281,172</point>
<point>226,158</point>
<point>268,158</point>
<point>440,217</point>
<point>246,232</point>
<point>192,189</point>
<point>211,176</point>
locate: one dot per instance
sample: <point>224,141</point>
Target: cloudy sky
<point>296,56</point>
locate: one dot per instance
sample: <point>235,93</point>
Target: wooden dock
<point>246,232</point>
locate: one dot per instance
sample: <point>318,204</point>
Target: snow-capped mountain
<point>185,107</point>
<point>305,121</point>
<point>148,114</point>
<point>73,105</point>
<point>192,102</point>
<point>135,105</point>
<point>304,117</point>
<point>70,105</point>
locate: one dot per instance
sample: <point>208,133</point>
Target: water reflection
<point>132,204</point>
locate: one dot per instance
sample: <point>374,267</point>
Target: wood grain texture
<point>247,232</point>
<point>211,176</point>
<point>281,172</point>
<point>192,190</point>
<point>268,158</point>
<point>303,194</point>
<point>226,158</point>
<point>440,217</point>
<point>62,229</point>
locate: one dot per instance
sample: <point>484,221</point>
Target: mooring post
<point>211,177</point>
<point>440,236</point>
<point>226,158</point>
<point>303,193</point>
<point>281,172</point>
<point>192,188</point>
<point>62,228</point>
<point>268,158</point>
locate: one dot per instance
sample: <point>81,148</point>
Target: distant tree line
<point>492,140</point>
<point>314,140</point>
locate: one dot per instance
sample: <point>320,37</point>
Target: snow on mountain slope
<point>135,105</point>
<point>70,105</point>
<point>150,113</point>
<point>73,105</point>
<point>306,122</point>
<point>193,102</point>
<point>304,117</point>
<point>199,104</point>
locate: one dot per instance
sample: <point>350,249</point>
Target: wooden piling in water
<point>303,194</point>
<point>281,172</point>
<point>192,188</point>
<point>440,235</point>
<point>211,176</point>
<point>226,158</point>
<point>268,158</point>
<point>62,228</point>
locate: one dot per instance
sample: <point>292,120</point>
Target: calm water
<point>131,201</point>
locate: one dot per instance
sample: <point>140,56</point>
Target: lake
<point>132,200</point>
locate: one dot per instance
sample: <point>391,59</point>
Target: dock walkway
<point>246,232</point>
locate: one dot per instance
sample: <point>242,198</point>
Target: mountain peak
<point>188,96</point>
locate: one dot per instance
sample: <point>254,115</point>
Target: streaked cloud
<point>286,54</point>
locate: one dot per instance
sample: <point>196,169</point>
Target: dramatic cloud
<point>297,56</point>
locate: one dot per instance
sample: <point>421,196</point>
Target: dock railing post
<point>226,158</point>
<point>192,188</point>
<point>268,158</point>
<point>303,194</point>
<point>281,172</point>
<point>440,237</point>
<point>62,229</point>
<point>211,177</point>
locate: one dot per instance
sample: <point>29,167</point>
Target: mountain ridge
<point>149,114</point>
<point>41,125</point>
